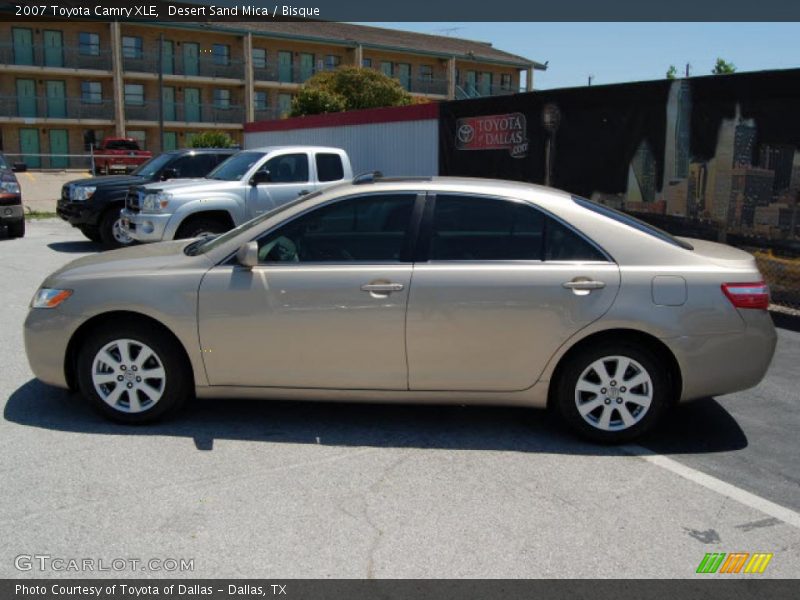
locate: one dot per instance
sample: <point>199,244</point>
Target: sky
<point>619,52</point>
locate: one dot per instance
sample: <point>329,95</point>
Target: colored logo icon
<point>734,562</point>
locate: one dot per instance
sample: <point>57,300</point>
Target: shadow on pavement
<point>702,427</point>
<point>75,247</point>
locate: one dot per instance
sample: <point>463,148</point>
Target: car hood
<point>145,257</point>
<point>189,186</point>
<point>109,181</point>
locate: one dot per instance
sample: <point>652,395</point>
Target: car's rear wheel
<point>112,235</point>
<point>200,226</point>
<point>613,393</point>
<point>133,374</point>
<point>91,233</point>
<point>16,229</point>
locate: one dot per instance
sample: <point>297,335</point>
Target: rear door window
<point>329,167</point>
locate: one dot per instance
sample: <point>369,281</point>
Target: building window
<point>134,94</point>
<point>89,44</point>
<point>259,58</point>
<point>91,92</point>
<point>386,68</point>
<point>366,62</point>
<point>131,47</point>
<point>139,136</point>
<point>221,54</point>
<point>222,98</point>
<point>261,100</point>
<point>505,81</point>
<point>332,61</point>
<point>426,72</point>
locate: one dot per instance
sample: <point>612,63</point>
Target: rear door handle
<point>382,287</point>
<point>584,284</point>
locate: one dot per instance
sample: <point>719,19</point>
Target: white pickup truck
<point>244,186</point>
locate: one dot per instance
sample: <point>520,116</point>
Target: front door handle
<point>303,192</point>
<point>382,288</point>
<point>583,286</point>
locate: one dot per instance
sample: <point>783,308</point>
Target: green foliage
<point>348,88</point>
<point>211,139</point>
<point>723,67</point>
<point>672,72</point>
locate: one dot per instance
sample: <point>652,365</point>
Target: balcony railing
<point>288,73</point>
<point>424,85</point>
<point>201,66</point>
<point>185,113</point>
<point>269,114</point>
<point>40,107</point>
<point>38,55</point>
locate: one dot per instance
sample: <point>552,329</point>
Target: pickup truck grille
<point>132,201</point>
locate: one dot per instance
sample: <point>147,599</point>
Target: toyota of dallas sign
<point>494,132</point>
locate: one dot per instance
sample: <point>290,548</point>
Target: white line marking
<point>763,505</point>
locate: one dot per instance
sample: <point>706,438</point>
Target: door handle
<point>383,288</point>
<point>303,192</point>
<point>586,285</point>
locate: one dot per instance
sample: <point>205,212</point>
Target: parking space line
<point>749,499</point>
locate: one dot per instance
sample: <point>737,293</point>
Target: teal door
<point>29,147</point>
<point>486,84</point>
<point>404,75</point>
<point>56,99</point>
<point>386,68</point>
<point>306,66</point>
<point>59,145</point>
<point>284,104</point>
<point>53,48</point>
<point>167,57</point>
<point>191,104</point>
<point>23,45</point>
<point>285,67</point>
<point>191,58</point>
<point>170,141</point>
<point>472,80</point>
<point>26,98</point>
<point>168,98</point>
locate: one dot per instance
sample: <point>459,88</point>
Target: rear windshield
<point>626,219</point>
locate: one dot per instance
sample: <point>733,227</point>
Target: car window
<point>194,166</point>
<point>366,228</point>
<point>473,228</point>
<point>329,167</point>
<point>236,166</point>
<point>287,168</point>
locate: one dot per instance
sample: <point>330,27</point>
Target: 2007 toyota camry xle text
<point>441,290</point>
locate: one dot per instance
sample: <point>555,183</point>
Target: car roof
<point>204,150</point>
<point>297,147</point>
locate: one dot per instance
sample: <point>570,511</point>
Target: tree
<point>348,88</point>
<point>672,72</point>
<point>723,67</point>
<point>211,139</point>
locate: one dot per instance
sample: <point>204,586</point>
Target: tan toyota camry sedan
<point>413,290</point>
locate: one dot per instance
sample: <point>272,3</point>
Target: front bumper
<point>47,333</point>
<point>144,227</point>
<point>76,213</point>
<point>11,213</point>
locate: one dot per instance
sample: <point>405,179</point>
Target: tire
<point>110,231</point>
<point>595,402</point>
<point>101,364</point>
<point>200,226</point>
<point>16,229</point>
<point>91,233</point>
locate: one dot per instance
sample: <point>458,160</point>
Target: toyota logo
<point>465,134</point>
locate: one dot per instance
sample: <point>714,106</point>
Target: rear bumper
<point>713,365</point>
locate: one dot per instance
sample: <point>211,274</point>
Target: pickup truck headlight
<point>9,187</point>
<point>82,193</point>
<point>156,202</point>
<point>49,298</point>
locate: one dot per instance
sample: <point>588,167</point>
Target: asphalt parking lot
<point>294,490</point>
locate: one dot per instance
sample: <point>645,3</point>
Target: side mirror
<point>247,255</point>
<point>19,167</point>
<point>258,177</point>
<point>169,173</point>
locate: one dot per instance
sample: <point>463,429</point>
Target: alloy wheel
<point>128,376</point>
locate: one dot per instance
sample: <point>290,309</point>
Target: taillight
<point>747,295</point>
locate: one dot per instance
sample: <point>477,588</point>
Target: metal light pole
<point>161,92</point>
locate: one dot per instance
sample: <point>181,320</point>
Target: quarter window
<point>370,228</point>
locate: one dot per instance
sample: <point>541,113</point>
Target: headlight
<point>9,187</point>
<point>49,298</point>
<point>156,202</point>
<point>83,192</point>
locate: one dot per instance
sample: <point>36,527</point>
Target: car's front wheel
<point>112,234</point>
<point>613,393</point>
<point>133,374</point>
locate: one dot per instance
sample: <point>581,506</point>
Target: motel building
<point>66,85</point>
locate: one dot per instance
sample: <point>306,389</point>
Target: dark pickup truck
<point>92,205</point>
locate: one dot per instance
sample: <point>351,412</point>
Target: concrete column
<point>451,78</point>
<point>529,78</point>
<point>249,80</point>
<point>117,82</point>
<point>359,56</point>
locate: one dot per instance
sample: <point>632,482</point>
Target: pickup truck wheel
<point>91,233</point>
<point>111,233</point>
<point>199,227</point>
<point>16,229</point>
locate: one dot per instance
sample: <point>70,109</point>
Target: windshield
<point>204,245</point>
<point>236,166</point>
<point>151,168</point>
<point>630,221</point>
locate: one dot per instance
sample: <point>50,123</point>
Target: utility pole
<point>590,79</point>
<point>687,69</point>
<point>161,92</point>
